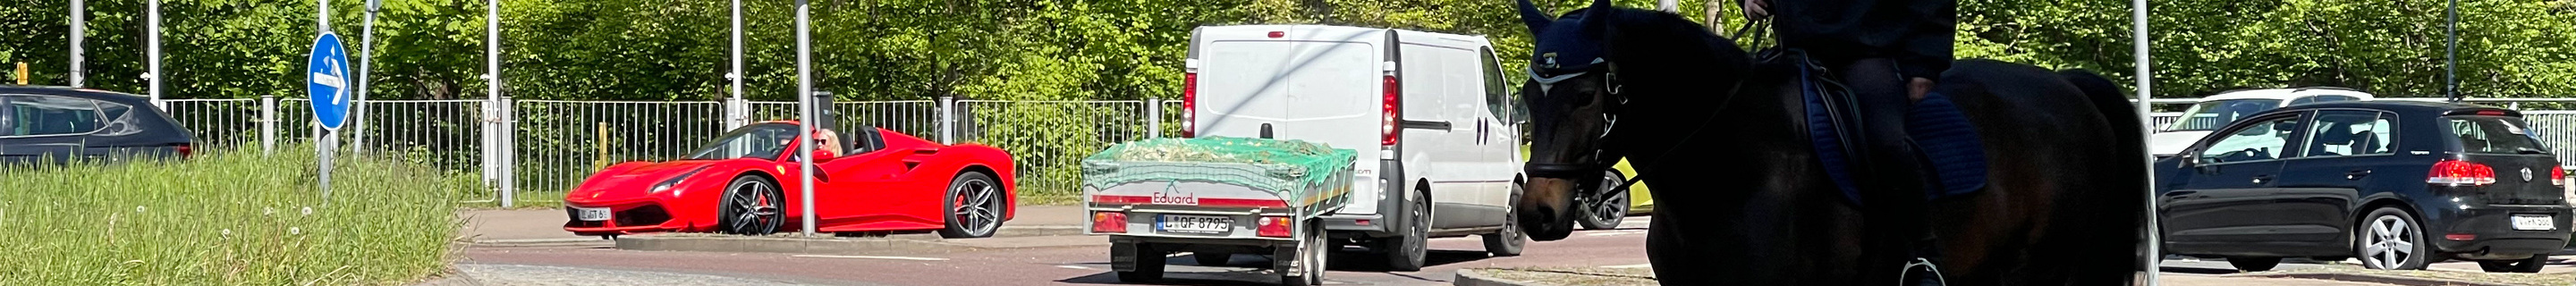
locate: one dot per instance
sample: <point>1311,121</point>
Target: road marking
<point>875,257</point>
<point>1073,267</point>
<point>1631,266</point>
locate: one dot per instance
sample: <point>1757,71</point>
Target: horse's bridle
<point>1609,116</point>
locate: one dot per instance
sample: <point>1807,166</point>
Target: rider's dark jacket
<point>1915,33</point>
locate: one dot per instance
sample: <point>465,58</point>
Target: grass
<point>224,218</point>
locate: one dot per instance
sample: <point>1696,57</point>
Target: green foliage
<point>1118,50</point>
<point>230,217</point>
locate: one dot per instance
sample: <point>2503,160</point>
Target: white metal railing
<point>554,144</point>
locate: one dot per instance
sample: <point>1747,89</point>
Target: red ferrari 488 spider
<point>746,183</point>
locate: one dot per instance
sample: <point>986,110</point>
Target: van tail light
<point>1276,226</point>
<point>2462,173</point>
<point>1189,105</point>
<point>1109,222</point>
<point>2558,177</point>
<point>1392,103</point>
<point>185,150</point>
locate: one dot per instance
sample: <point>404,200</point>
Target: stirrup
<point>1928,275</point>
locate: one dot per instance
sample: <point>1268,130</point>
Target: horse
<point>1744,199</point>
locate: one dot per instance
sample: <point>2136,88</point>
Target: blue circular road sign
<point>327,81</point>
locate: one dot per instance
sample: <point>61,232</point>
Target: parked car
<point>2219,110</point>
<point>741,184</point>
<point>2397,184</point>
<point>54,125</point>
<point>1426,111</point>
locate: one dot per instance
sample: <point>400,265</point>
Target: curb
<point>1476,277</point>
<point>544,242</point>
<point>2370,278</point>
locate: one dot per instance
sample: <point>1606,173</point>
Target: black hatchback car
<point>54,125</point>
<point>2396,184</point>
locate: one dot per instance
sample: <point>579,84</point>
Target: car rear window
<point>2494,135</point>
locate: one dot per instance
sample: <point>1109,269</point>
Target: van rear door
<point>1312,83</point>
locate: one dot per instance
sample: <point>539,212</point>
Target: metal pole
<point>1153,118</point>
<point>80,17</point>
<point>492,89</point>
<point>508,137</point>
<point>267,124</point>
<point>805,103</point>
<point>2451,57</point>
<point>737,112</point>
<point>366,58</point>
<point>152,61</point>
<point>322,12</point>
<point>1668,6</point>
<point>2146,81</point>
<point>947,119</point>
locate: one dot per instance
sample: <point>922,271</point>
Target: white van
<point>2217,111</point>
<point>1429,108</point>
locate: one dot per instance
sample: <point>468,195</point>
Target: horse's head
<point>1572,96</point>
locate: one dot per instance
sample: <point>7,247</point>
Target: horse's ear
<point>1536,19</point>
<point>1599,9</point>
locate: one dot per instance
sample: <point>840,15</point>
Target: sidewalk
<point>544,227</point>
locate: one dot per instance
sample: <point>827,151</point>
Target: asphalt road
<point>1077,265</point>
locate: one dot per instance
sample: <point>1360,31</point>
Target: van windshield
<point>2210,115</point>
<point>2494,135</point>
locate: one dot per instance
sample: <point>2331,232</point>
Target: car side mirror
<point>821,155</point>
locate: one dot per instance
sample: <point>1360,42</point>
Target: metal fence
<point>553,145</point>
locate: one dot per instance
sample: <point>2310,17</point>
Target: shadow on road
<point>1241,269</point>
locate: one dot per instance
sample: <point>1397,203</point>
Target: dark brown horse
<point>1744,199</point>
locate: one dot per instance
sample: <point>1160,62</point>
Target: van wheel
<point>1406,252</point>
<point>1510,240</point>
<point>1604,209</point>
<point>2389,239</point>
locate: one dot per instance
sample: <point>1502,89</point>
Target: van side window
<point>1497,96</point>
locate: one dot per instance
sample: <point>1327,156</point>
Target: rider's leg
<point>1891,183</point>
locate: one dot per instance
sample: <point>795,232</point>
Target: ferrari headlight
<point>666,185</point>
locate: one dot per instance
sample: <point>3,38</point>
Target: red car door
<point>858,195</point>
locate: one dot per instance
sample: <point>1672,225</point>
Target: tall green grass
<point>224,218</point>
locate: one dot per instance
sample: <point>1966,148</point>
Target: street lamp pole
<point>2146,82</point>
<point>366,58</point>
<point>805,100</point>
<point>2451,57</point>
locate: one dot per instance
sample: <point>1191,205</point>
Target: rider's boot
<point>1891,181</point>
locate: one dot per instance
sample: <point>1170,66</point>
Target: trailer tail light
<point>1109,222</point>
<point>2558,177</point>
<point>1189,105</point>
<point>2462,173</point>
<point>1277,226</point>
<point>1389,106</point>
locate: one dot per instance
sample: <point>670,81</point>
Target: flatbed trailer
<point>1215,198</point>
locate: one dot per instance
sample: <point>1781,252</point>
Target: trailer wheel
<point>1303,264</point>
<point>1148,262</point>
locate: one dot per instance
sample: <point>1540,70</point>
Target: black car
<point>54,125</point>
<point>2397,184</point>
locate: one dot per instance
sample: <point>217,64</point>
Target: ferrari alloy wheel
<point>975,206</point>
<point>750,207</point>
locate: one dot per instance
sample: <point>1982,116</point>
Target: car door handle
<point>2258,180</point>
<point>2356,174</point>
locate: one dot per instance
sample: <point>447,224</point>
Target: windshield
<point>765,141</point>
<point>2210,115</point>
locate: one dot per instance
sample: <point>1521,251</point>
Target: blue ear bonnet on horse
<point>1566,45</point>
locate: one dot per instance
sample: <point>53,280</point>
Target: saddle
<point>1940,133</point>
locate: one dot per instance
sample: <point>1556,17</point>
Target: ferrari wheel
<point>750,207</point>
<point>974,206</point>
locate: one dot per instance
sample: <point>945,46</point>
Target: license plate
<point>2534,222</point>
<point>590,214</point>
<point>1194,223</point>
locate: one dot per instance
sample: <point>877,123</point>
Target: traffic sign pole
<point>326,82</point>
